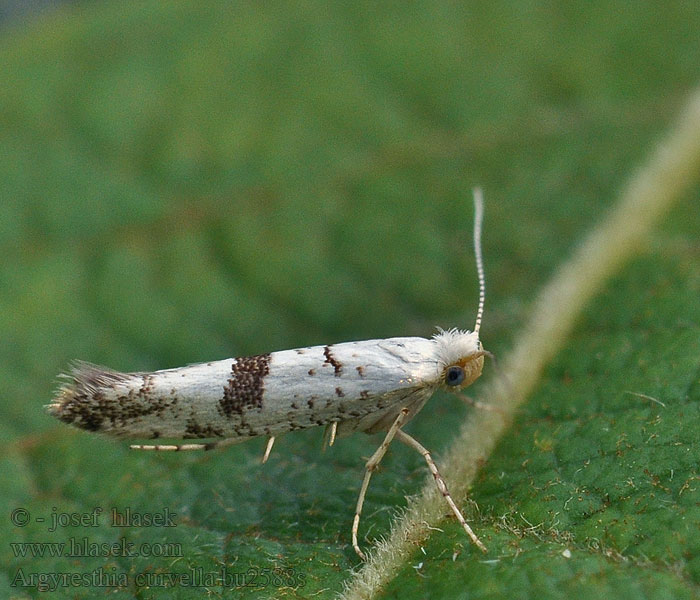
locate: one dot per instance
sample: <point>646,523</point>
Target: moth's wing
<point>411,398</point>
<point>361,383</point>
<point>162,404</point>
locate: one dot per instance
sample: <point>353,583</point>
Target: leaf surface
<point>183,184</point>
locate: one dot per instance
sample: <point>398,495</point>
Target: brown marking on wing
<point>332,360</point>
<point>245,387</point>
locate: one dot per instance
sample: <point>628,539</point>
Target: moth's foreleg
<point>369,467</point>
<point>480,405</point>
<point>442,486</point>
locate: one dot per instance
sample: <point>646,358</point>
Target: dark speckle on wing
<point>332,360</point>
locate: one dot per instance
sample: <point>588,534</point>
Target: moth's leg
<point>181,447</point>
<point>369,467</point>
<point>480,405</point>
<point>329,435</point>
<point>442,486</point>
<point>268,448</point>
<point>169,447</point>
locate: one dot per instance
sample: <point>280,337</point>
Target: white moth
<point>370,386</point>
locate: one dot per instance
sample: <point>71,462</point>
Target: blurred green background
<point>184,182</point>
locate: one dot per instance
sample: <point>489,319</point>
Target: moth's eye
<point>454,375</point>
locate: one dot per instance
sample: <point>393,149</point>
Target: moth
<point>370,386</point>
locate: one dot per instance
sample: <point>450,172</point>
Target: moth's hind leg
<point>442,486</point>
<point>369,467</point>
<point>182,447</point>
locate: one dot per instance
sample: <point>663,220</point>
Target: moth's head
<point>460,358</point>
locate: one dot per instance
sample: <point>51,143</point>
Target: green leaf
<point>184,183</point>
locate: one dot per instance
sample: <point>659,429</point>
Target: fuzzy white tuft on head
<point>454,345</point>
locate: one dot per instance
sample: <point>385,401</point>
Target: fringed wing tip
<point>81,381</point>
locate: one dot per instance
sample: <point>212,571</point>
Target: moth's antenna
<point>478,218</point>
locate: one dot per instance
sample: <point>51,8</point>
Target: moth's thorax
<point>457,348</point>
